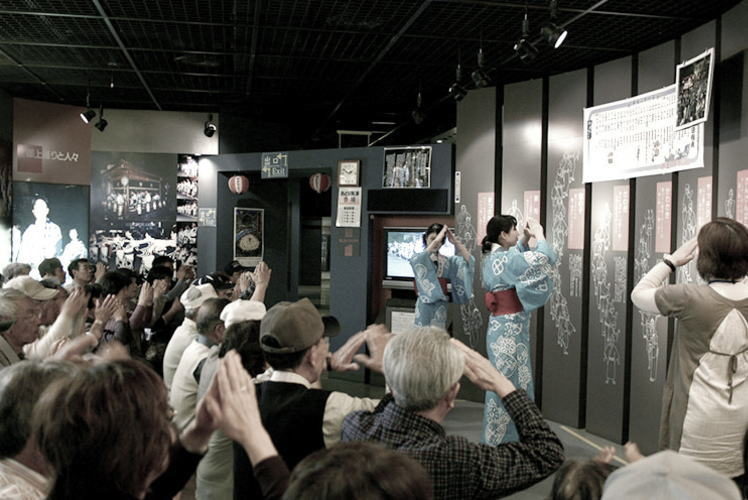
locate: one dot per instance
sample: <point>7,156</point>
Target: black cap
<point>218,280</point>
<point>235,267</point>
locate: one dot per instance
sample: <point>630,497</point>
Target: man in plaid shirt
<point>423,368</point>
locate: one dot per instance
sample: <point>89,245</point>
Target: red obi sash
<point>442,282</point>
<point>503,302</point>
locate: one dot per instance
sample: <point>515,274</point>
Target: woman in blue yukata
<point>517,280</point>
<point>433,271</point>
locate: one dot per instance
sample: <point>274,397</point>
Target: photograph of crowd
<point>694,79</point>
<point>407,168</point>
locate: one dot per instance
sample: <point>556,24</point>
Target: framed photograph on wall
<point>694,88</point>
<point>407,168</point>
<point>348,172</point>
<point>249,235</point>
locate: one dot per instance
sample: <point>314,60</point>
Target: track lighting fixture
<point>524,48</point>
<point>456,90</point>
<point>210,127</point>
<point>89,114</point>
<point>480,76</point>
<point>418,114</point>
<point>102,123</point>
<point>553,34</point>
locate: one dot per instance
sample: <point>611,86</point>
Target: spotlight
<point>210,127</point>
<point>480,76</point>
<point>102,123</point>
<point>552,32</point>
<point>526,51</point>
<point>88,115</point>
<point>456,90</point>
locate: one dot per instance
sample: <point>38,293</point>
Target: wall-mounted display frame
<point>407,168</point>
<point>249,239</point>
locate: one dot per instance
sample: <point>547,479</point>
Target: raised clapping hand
<point>232,406</point>
<point>437,242</point>
<point>482,373</point>
<point>535,229</point>
<point>75,304</point>
<point>377,337</point>
<point>261,274</point>
<point>342,359</point>
<point>146,295</point>
<point>106,308</point>
<point>685,253</point>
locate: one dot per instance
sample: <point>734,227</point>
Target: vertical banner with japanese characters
<point>704,201</point>
<point>620,218</point>
<point>663,219</point>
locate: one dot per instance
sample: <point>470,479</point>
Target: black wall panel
<point>607,354</point>
<point>733,128</point>
<point>695,200</point>
<point>521,161</point>
<point>652,223</point>
<point>564,358</point>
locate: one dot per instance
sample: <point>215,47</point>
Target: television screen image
<point>402,244</point>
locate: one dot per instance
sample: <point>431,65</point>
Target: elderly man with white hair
<point>423,369</point>
<point>191,299</point>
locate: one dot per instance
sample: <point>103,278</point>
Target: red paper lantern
<point>320,182</point>
<point>238,184</point>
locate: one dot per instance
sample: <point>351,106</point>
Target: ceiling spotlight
<point>102,123</point>
<point>456,90</point>
<point>418,114</point>
<point>524,48</point>
<point>89,114</point>
<point>552,32</point>
<point>480,76</point>
<point>210,127</point>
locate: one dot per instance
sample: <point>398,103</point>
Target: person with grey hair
<point>15,269</point>
<point>24,473</point>
<point>19,325</point>
<point>210,332</point>
<point>423,369</point>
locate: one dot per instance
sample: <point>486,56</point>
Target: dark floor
<point>465,420</point>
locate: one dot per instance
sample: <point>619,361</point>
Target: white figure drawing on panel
<point>559,307</point>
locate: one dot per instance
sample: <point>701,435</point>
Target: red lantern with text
<point>238,184</point>
<point>320,182</point>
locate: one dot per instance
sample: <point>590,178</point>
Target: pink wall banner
<point>532,205</point>
<point>485,212</point>
<point>620,218</point>
<point>704,201</point>
<point>741,209</point>
<point>663,218</point>
<point>51,143</point>
<point>575,239</point>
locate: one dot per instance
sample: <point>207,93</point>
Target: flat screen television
<point>400,244</point>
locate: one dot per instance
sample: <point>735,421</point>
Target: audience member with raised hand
<point>705,398</point>
<point>68,324</point>
<point>298,416</point>
<point>423,369</point>
<point>123,450</point>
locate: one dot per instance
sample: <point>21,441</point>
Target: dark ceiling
<point>320,64</point>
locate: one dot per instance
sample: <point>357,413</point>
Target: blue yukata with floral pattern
<point>508,336</point>
<point>431,306</point>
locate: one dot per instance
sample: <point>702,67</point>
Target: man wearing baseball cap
<point>299,417</point>
<point>183,336</point>
<point>20,316</point>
